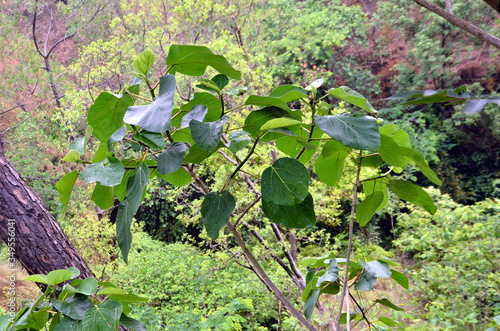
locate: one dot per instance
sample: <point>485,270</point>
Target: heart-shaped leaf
<point>103,196</point>
<point>193,61</point>
<point>144,62</point>
<point>216,210</point>
<point>108,172</point>
<point>352,131</point>
<point>106,316</point>
<point>171,159</point>
<point>300,215</point>
<point>286,182</point>
<point>155,116</point>
<point>75,306</point>
<point>207,135</point>
<point>330,164</point>
<point>347,94</point>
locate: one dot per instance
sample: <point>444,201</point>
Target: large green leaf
<point>214,107</point>
<point>154,140</point>
<point>400,278</point>
<point>292,144</point>
<point>398,135</point>
<point>106,114</point>
<point>421,163</point>
<point>56,277</point>
<point>179,178</point>
<point>69,324</point>
<point>197,113</point>
<point>347,94</point>
<point>266,102</point>
<point>108,172</point>
<point>300,215</point>
<point>330,164</point>
<point>127,209</point>
<point>379,184</point>
<point>412,193</point>
<point>288,93</point>
<point>239,139</point>
<point>390,152</point>
<point>257,118</point>
<point>331,275</point>
<point>131,323</point>
<point>104,317</point>
<point>279,123</point>
<point>171,159</point>
<point>157,115</point>
<point>216,210</point>
<point>310,303</point>
<point>286,182</point>
<point>193,61</point>
<point>207,135</point>
<point>75,306</point>
<point>103,196</point>
<point>352,131</point>
<point>367,208</point>
<point>144,62</point>
<point>65,187</point>
<point>197,154</point>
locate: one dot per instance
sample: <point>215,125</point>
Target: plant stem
<point>241,164</point>
<point>349,247</point>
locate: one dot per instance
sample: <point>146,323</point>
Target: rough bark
<point>40,244</point>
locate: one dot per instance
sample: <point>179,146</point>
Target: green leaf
<point>398,135</point>
<point>111,290</point>
<point>372,161</point>
<point>267,102</point>
<point>197,154</point>
<point>331,275</point>
<point>157,115</point>
<point>220,80</point>
<point>373,270</point>
<point>387,321</point>
<point>213,105</point>
<point>347,94</point>
<point>300,215</point>
<point>69,324</point>
<point>330,164</point>
<point>412,193</point>
<point>74,307</point>
<point>390,152</point>
<point>65,187</point>
<point>178,178</point>
<point>104,317</point>
<point>380,185</point>
<point>208,85</point>
<point>193,61</point>
<point>152,139</point>
<point>128,298</point>
<point>421,163</point>
<point>88,286</point>
<point>388,304</point>
<point>257,118</point>
<point>352,131</point>
<point>239,139</point>
<point>56,277</point>
<point>216,210</point>
<point>101,153</point>
<point>171,159</point>
<point>103,196</point>
<point>207,135</point>
<point>197,113</point>
<point>310,303</point>
<point>144,62</point>
<point>279,123</point>
<point>106,114</point>
<point>131,323</point>
<point>292,144</point>
<point>108,172</point>
<point>127,209</point>
<point>367,208</point>
<point>71,156</point>
<point>37,278</point>
<point>288,93</point>
<point>116,136</point>
<point>400,278</point>
<point>286,182</point>
<point>78,145</point>
<point>237,91</point>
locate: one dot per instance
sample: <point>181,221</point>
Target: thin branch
<point>462,24</point>
<point>245,211</point>
<point>349,247</point>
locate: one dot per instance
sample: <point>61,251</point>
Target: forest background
<point>379,48</point>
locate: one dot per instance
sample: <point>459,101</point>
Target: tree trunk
<point>40,244</point>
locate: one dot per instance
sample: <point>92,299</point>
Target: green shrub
<point>456,251</point>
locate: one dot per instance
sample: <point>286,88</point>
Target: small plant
<point>80,305</point>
